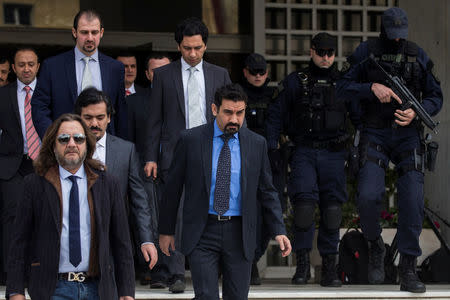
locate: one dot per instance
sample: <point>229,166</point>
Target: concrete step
<point>276,289</point>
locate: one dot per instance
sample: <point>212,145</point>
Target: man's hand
<point>285,244</point>
<point>150,254</point>
<point>404,117</point>
<point>126,298</point>
<point>384,94</point>
<point>17,297</point>
<point>151,168</point>
<point>166,242</point>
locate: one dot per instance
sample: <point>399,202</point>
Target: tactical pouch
<point>431,155</point>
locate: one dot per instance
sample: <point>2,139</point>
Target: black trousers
<point>12,191</point>
<point>220,247</point>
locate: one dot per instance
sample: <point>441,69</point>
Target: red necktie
<point>127,92</point>
<point>33,142</point>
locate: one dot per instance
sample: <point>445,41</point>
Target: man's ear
<point>214,109</point>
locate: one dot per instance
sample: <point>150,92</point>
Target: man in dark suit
<point>121,160</point>
<point>182,94</point>
<point>129,62</point>
<point>71,237</point>
<point>19,143</point>
<point>63,77</point>
<point>221,167</point>
<point>4,71</point>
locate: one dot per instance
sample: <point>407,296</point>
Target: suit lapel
<point>71,75</point>
<point>14,103</point>
<point>244,144</point>
<point>207,144</point>
<point>178,80</point>
<point>105,72</point>
<point>208,90</point>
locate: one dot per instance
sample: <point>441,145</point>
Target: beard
<point>231,128</point>
<point>70,163</point>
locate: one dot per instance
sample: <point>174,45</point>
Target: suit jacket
<point>11,140</point>
<point>56,91</point>
<point>123,163</point>
<point>138,114</point>
<point>36,244</point>
<point>167,108</point>
<point>191,169</point>
<point>140,90</point>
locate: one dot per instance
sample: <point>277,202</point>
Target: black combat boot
<point>377,251</point>
<point>409,281</point>
<point>254,279</point>
<point>328,273</point>
<point>303,272</point>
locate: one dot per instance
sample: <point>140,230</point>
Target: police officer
<point>315,120</point>
<point>391,134</point>
<point>255,84</point>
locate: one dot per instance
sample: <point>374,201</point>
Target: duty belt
<point>336,144</point>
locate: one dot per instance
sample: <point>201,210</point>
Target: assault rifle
<point>408,100</point>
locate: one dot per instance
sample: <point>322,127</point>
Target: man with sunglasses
<point>308,110</point>
<point>71,238</point>
<point>391,133</point>
<point>255,84</point>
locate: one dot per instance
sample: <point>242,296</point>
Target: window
<point>17,14</point>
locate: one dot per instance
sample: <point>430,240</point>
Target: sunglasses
<point>78,138</point>
<point>323,52</point>
<point>256,72</point>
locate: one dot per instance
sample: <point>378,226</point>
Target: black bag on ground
<point>353,258</point>
<point>436,267</point>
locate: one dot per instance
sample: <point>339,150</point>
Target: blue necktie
<point>74,224</point>
<point>222,190</point>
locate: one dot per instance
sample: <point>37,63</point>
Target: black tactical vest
<point>404,65</point>
<point>259,99</point>
<point>317,111</point>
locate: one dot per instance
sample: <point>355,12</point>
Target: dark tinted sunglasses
<point>323,52</point>
<point>256,72</point>
<point>64,138</point>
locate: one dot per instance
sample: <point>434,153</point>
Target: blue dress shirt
<point>235,180</point>
<point>85,221</point>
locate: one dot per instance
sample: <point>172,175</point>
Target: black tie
<point>74,224</point>
<point>222,190</point>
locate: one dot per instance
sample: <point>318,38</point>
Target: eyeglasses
<point>64,138</point>
<point>256,72</point>
<point>323,52</point>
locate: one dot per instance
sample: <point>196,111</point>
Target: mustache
<point>71,150</point>
<point>95,128</point>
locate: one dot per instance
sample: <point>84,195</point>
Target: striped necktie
<point>33,142</point>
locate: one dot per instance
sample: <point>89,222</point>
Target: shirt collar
<point>218,132</point>
<point>185,66</point>
<point>80,55</point>
<point>64,174</point>
<point>102,142</point>
<point>21,85</point>
<point>132,89</point>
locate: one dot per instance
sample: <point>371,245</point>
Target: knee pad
<point>332,216</point>
<point>304,215</point>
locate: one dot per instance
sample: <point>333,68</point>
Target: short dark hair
<point>25,49</point>
<point>156,55</point>
<point>232,91</point>
<point>92,96</point>
<point>4,59</point>
<point>190,27</point>
<point>90,14</point>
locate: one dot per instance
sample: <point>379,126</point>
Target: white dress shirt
<point>200,77</point>
<point>21,94</point>
<point>132,89</point>
<point>85,221</point>
<point>100,150</point>
<point>94,68</point>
